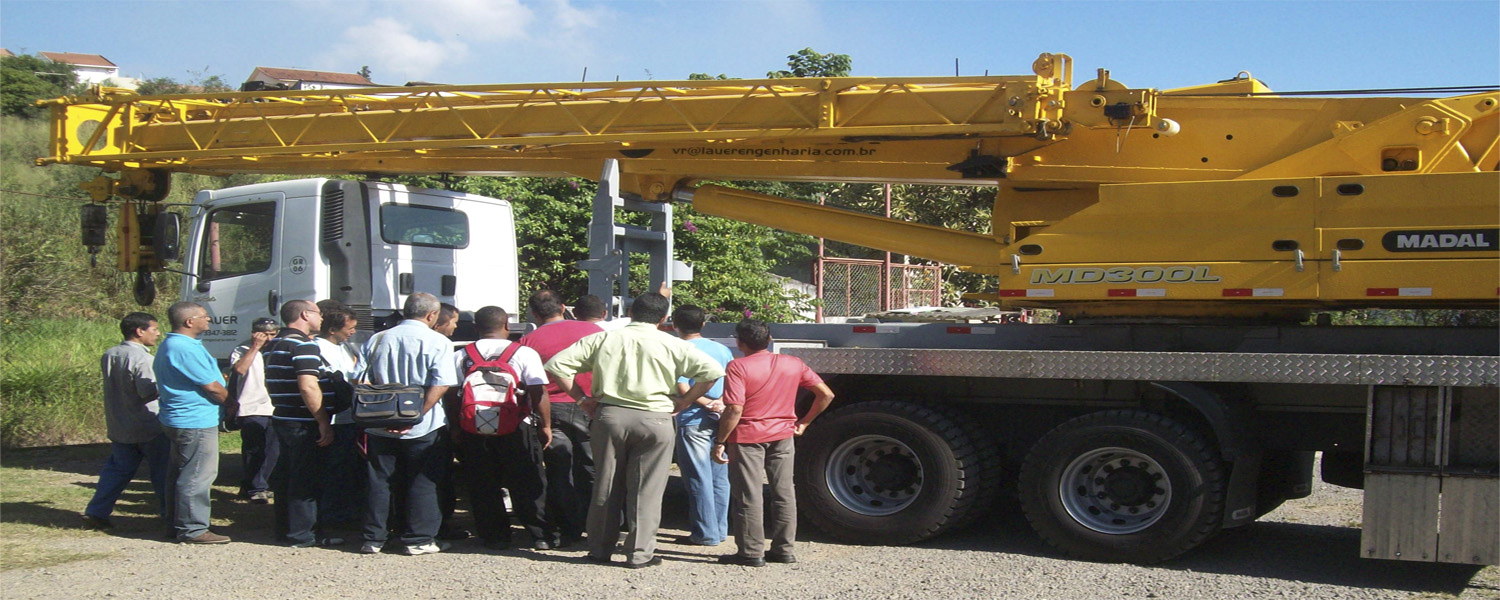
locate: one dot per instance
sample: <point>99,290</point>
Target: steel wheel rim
<point>874,475</point>
<point>1115,491</point>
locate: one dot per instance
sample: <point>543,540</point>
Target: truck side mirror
<point>165,237</point>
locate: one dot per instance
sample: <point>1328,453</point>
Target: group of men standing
<point>594,454</point>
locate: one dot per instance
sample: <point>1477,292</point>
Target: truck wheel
<point>885,472</point>
<point>1123,486</point>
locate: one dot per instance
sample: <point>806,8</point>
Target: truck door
<point>240,255</point>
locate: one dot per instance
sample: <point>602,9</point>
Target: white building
<point>271,78</point>
<point>91,68</point>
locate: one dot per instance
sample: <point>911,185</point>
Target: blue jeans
<point>194,465</point>
<point>124,460</point>
<point>707,482</point>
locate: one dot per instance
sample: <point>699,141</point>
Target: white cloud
<point>573,19</point>
<point>474,20</point>
<point>432,40</point>
<point>393,52</point>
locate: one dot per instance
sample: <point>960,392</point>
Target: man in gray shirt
<point>130,417</point>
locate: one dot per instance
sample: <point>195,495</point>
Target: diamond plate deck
<point>1462,371</point>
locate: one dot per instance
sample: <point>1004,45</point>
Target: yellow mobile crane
<point>1219,199</point>
<point>1187,231</point>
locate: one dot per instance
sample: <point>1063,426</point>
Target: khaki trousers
<point>632,457</point>
<point>749,465</point>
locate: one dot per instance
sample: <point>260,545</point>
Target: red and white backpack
<point>491,403</point>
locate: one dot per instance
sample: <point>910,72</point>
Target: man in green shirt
<point>635,376</point>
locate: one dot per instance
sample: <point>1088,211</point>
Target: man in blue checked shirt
<point>409,460</point>
<point>296,382</point>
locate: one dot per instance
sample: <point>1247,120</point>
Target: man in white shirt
<point>512,461</point>
<point>258,447</point>
<point>344,492</point>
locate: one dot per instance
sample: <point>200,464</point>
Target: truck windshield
<point>424,226</point>
<point>238,241</point>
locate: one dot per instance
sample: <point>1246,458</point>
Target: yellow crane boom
<point>1218,199</point>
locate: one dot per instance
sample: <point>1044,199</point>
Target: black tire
<point>908,472</point>
<point>1141,488</point>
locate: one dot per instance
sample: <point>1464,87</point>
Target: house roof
<point>5,52</point>
<point>316,76</point>
<point>87,60</point>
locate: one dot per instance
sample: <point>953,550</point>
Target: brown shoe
<point>208,537</point>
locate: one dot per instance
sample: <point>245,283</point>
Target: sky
<point>1291,46</point>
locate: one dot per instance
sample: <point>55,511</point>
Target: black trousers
<point>258,452</point>
<point>570,470</point>
<point>345,480</point>
<point>513,462</point>
<point>411,468</point>
<point>298,481</point>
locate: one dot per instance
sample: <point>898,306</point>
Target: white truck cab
<point>366,244</point>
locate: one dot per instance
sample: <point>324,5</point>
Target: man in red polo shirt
<point>570,462</point>
<point>755,438</point>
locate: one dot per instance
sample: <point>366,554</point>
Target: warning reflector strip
<point>962,330</point>
<point>1026,293</point>
<point>1139,293</point>
<point>1255,292</point>
<point>1412,292</point>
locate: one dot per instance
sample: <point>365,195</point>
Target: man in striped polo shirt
<point>297,384</point>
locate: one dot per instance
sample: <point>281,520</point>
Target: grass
<point>41,500</point>
<point>50,386</point>
<point>47,488</point>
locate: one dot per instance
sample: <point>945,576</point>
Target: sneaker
<point>93,522</point>
<point>207,537</point>
<point>598,560</point>
<point>371,548</point>
<point>260,498</point>
<point>427,548</point>
<point>785,559</point>
<point>743,561</point>
<point>655,560</point>
<point>454,533</point>
<point>543,545</point>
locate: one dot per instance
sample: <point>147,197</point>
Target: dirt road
<point>1307,549</point>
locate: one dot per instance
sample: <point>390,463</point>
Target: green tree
<point>200,83</point>
<point>157,86</point>
<point>808,63</point>
<point>364,71</point>
<point>24,79</point>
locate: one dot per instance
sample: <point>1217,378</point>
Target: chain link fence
<point>853,287</point>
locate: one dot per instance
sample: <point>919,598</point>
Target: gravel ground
<point>1306,549</point>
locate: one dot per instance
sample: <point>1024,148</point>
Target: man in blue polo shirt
<point>707,482</point>
<point>191,390</point>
